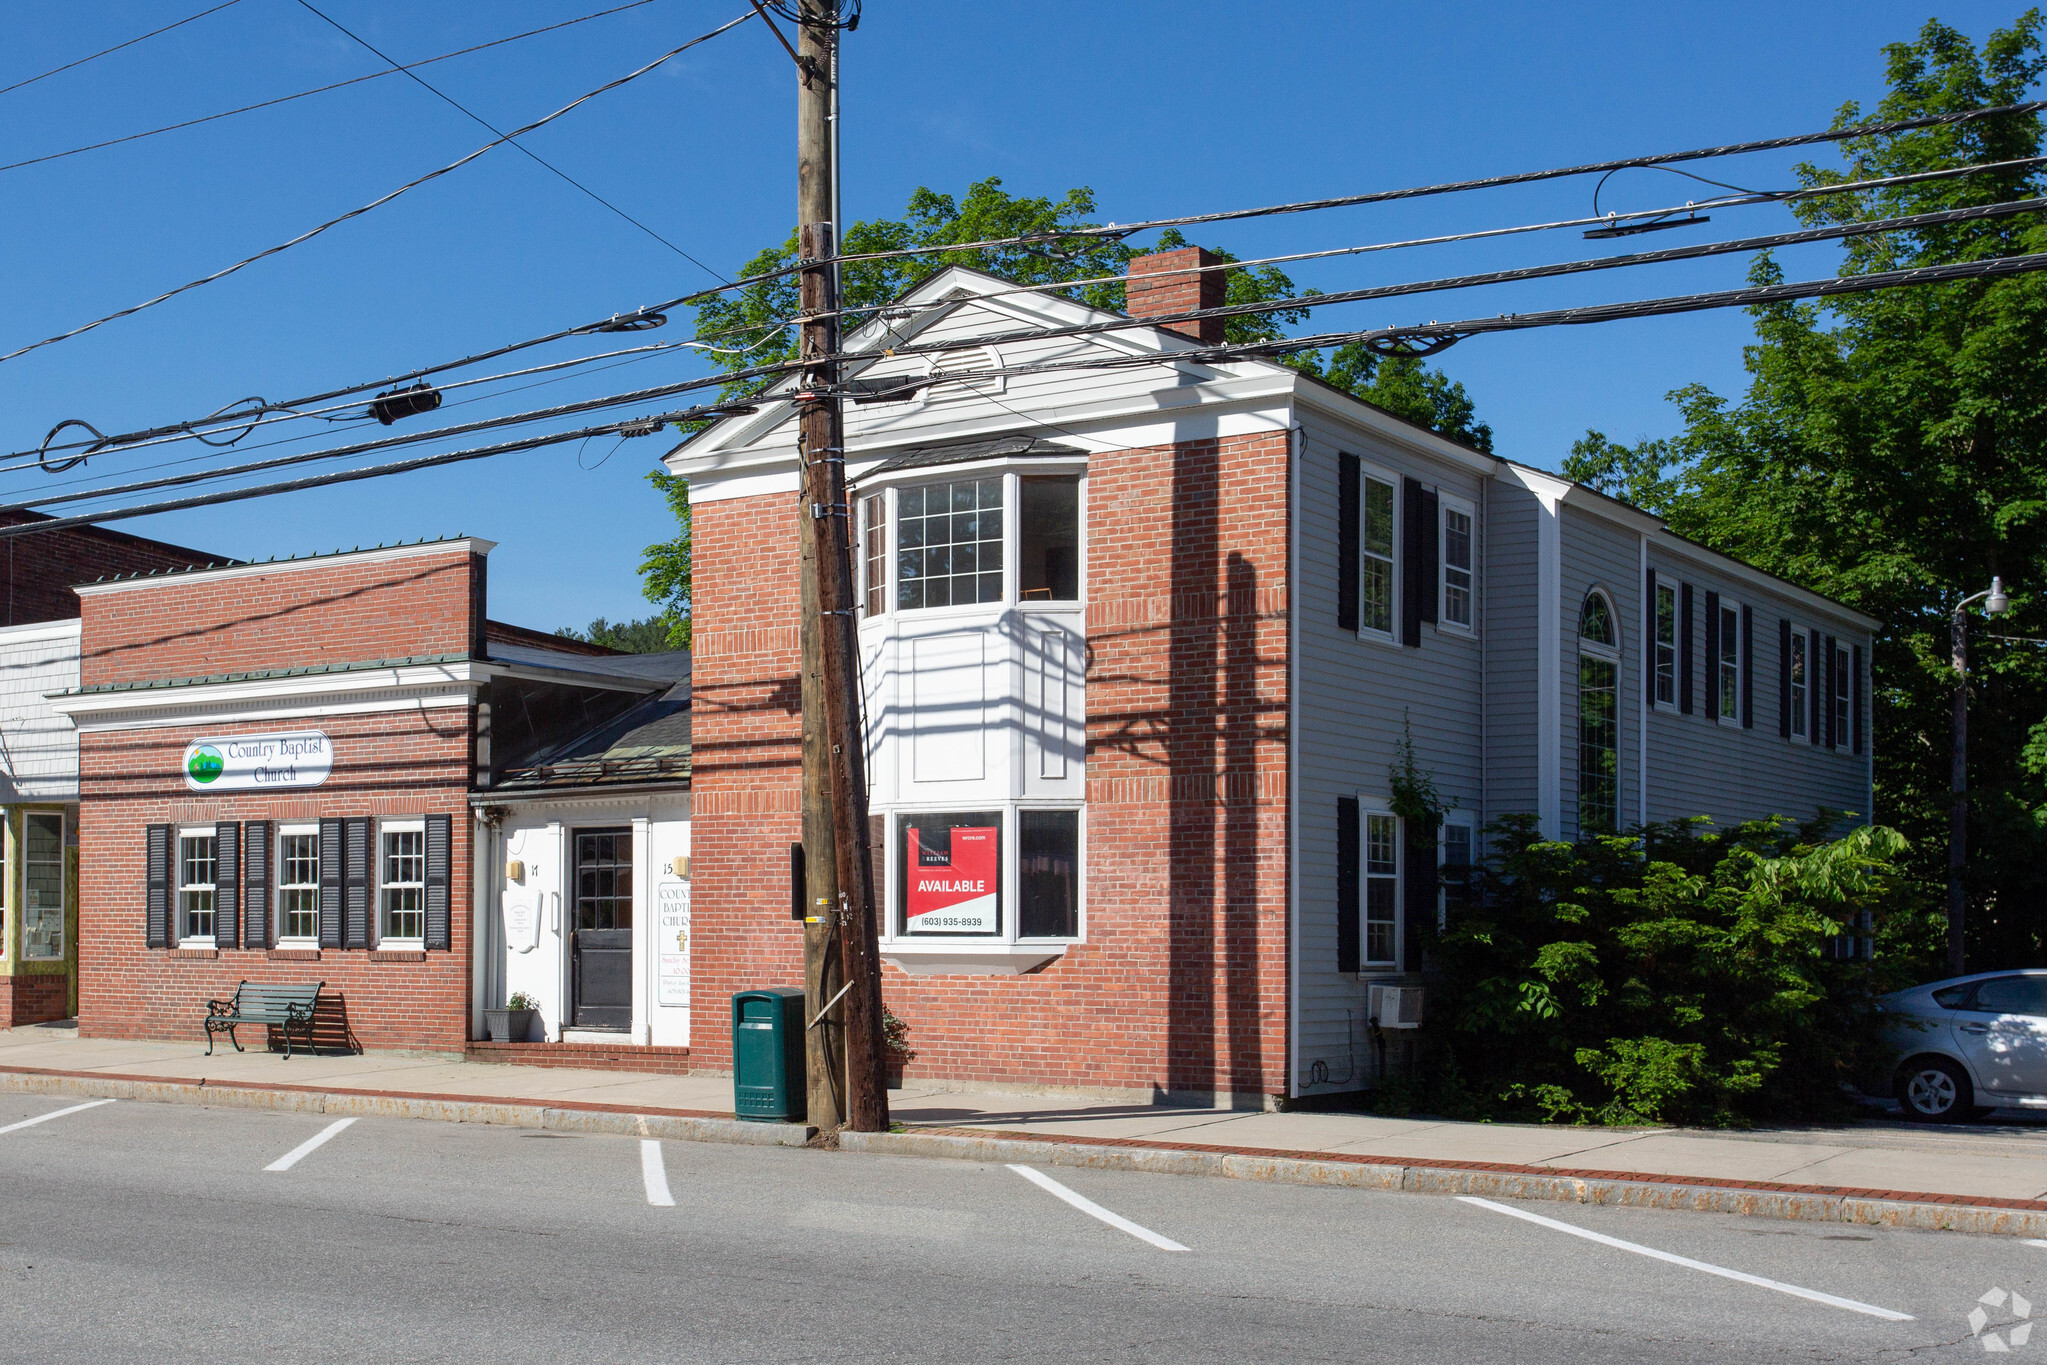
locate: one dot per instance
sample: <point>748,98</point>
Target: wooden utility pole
<point>848,1087</point>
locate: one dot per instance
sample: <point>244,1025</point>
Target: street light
<point>1997,604</point>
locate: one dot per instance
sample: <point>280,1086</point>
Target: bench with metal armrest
<point>289,1008</point>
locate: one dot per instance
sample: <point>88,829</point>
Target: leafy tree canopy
<point>631,637</point>
<point>1891,451</point>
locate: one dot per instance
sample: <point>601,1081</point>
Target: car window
<point>2011,995</point>
<point>1951,998</point>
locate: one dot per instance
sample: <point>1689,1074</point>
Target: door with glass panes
<point>601,931</point>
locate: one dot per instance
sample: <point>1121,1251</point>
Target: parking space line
<point>306,1148</point>
<point>655,1174</point>
<point>1094,1210</point>
<point>1832,1301</point>
<point>54,1114</point>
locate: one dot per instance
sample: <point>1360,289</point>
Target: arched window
<point>1599,757</point>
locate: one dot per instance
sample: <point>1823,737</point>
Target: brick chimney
<point>1148,295</point>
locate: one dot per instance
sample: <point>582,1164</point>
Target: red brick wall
<point>1146,294</point>
<point>33,999</point>
<point>396,764</point>
<point>37,572</point>
<point>345,610</point>
<point>1181,984</point>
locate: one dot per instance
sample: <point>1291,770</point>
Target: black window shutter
<point>1414,533</point>
<point>256,884</point>
<point>355,884</point>
<point>156,858</point>
<point>1418,892</point>
<point>1349,910</point>
<point>1815,691</point>
<point>1430,529</point>
<point>330,883</point>
<point>1748,669</point>
<point>1784,678</point>
<point>1855,702</point>
<point>227,885</point>
<point>1712,707</point>
<point>1649,645</point>
<point>1832,738</point>
<point>1684,648</point>
<point>1349,539</point>
<point>439,837</point>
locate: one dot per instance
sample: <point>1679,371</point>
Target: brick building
<point>276,770</point>
<point>1143,636</point>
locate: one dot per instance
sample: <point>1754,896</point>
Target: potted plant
<point>896,1048</point>
<point>514,1022</point>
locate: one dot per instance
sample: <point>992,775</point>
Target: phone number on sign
<point>931,924</point>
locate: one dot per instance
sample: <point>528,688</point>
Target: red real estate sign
<point>953,893</point>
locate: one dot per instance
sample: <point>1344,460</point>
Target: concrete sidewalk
<point>1999,1166</point>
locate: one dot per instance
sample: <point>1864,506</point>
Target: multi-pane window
<point>874,556</point>
<point>1842,738</point>
<point>1456,565</point>
<point>1048,873</point>
<point>1727,668</point>
<point>951,879</point>
<point>604,879</point>
<point>298,884</point>
<point>42,878</point>
<point>401,883</point>
<point>1801,683</point>
<point>1599,760</point>
<point>198,860</point>
<point>1666,645</point>
<point>1382,890</point>
<point>1454,886</point>
<point>949,544</point>
<point>1377,600</point>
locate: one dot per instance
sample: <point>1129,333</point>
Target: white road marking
<point>308,1147</point>
<point>655,1174</point>
<point>1815,1295</point>
<point>2035,1242</point>
<point>54,1114</point>
<point>1094,1210</point>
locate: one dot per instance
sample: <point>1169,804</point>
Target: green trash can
<point>768,1081</point>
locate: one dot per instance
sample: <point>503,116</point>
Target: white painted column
<point>643,933</point>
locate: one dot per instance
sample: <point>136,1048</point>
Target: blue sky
<point>1160,106</point>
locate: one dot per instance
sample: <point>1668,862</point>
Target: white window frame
<point>1011,473</point>
<point>1010,933</point>
<point>875,505</point>
<point>1729,608</point>
<point>394,942</point>
<point>1378,966</point>
<point>181,886</point>
<point>63,887</point>
<point>1446,505</point>
<point>1660,645</point>
<point>1610,654</point>
<point>1799,692</point>
<point>279,886</point>
<point>1843,699</point>
<point>1369,475</point>
<point>1455,819</point>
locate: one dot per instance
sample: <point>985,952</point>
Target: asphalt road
<point>155,1232</point>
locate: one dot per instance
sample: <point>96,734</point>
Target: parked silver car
<point>1968,1044</point>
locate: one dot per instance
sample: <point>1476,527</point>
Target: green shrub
<point>1666,976</point>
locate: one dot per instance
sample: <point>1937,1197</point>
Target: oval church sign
<point>240,763</point>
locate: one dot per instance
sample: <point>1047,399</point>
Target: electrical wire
<point>379,202</point>
<point>103,52</point>
<point>534,156</point>
<point>317,90</point>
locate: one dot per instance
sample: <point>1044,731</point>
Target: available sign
<point>952,886</point>
<point>240,763</point>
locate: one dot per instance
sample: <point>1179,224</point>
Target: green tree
<point>1891,451</point>
<point>1405,387</point>
<point>650,636</point>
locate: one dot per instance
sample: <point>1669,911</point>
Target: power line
<point>539,160</point>
<point>379,202</point>
<point>317,90</point>
<point>8,89</point>
<point>655,315</point>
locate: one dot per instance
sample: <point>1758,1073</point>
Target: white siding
<point>1599,554</point>
<point>38,747</point>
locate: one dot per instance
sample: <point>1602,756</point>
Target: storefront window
<point>1048,873</point>
<point>42,903</point>
<point>402,893</point>
<point>298,884</point>
<point>197,859</point>
<point>952,873</point>
<point>949,544</point>
<point>1048,547</point>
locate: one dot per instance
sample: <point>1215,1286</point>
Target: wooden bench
<point>287,1007</point>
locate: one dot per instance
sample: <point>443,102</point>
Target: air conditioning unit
<point>1396,1006</point>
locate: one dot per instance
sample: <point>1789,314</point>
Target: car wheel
<point>1935,1090</point>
